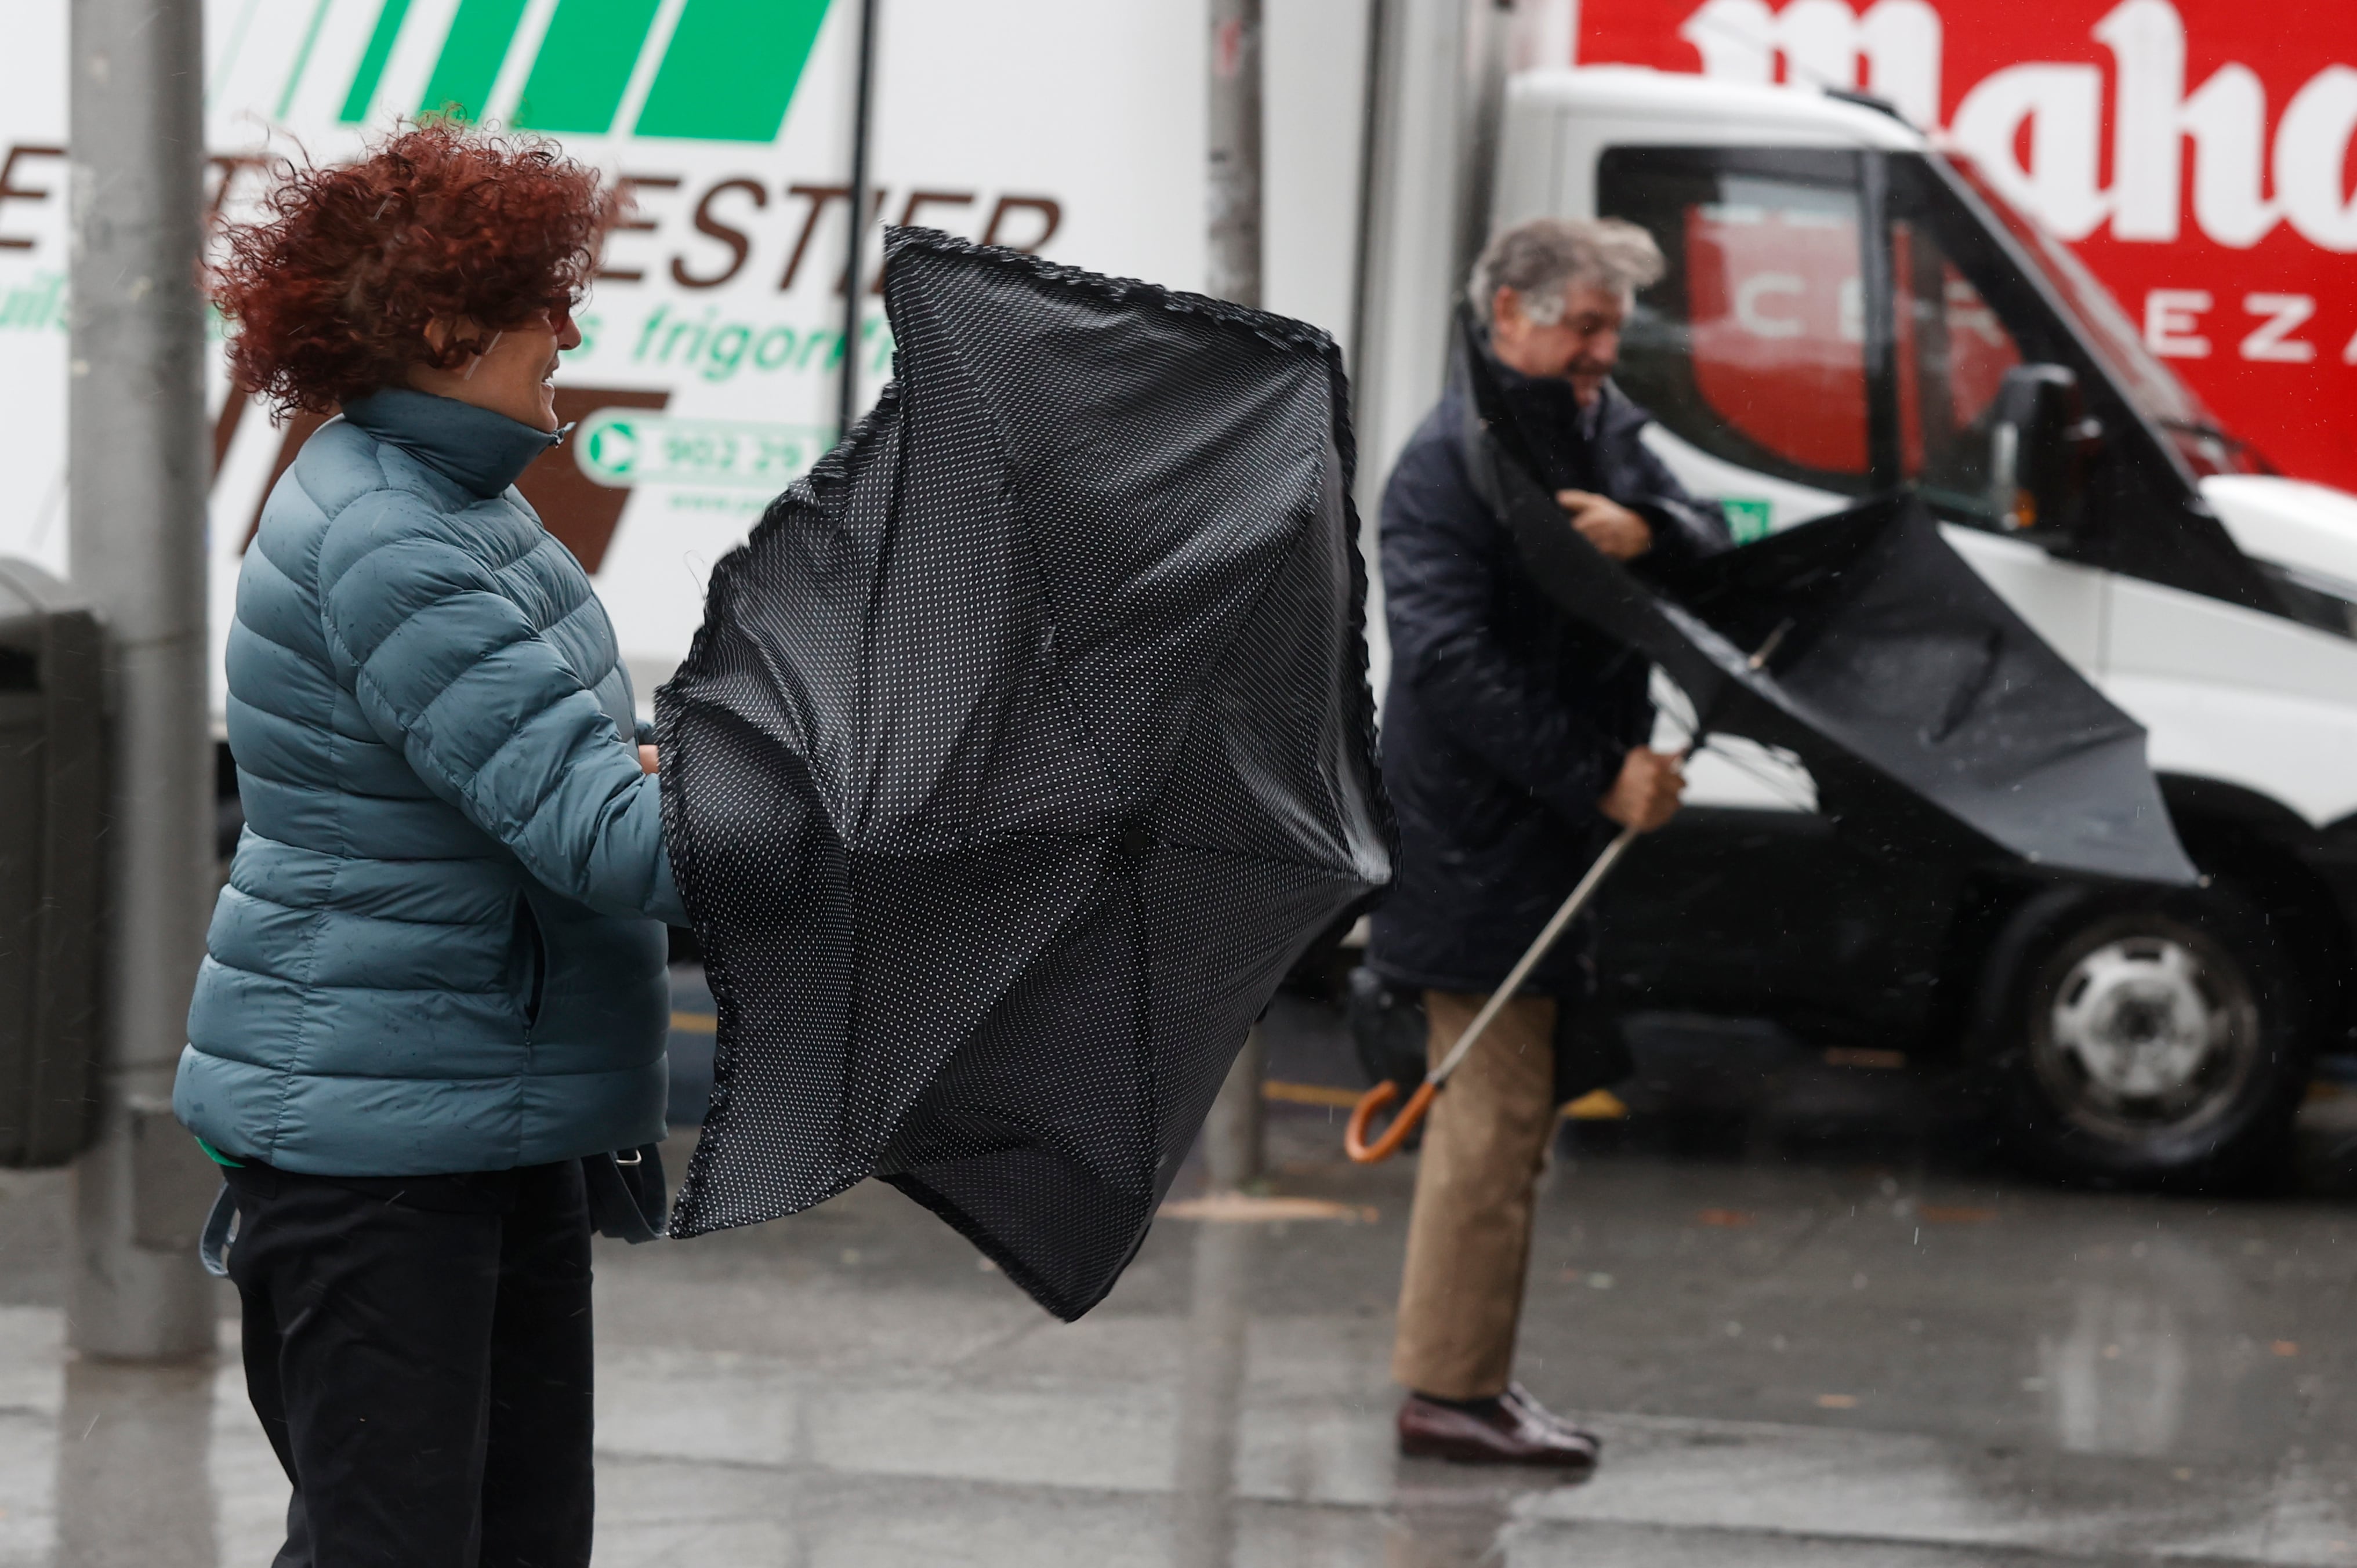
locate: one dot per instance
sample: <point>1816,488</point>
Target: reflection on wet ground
<point>1831,1329</point>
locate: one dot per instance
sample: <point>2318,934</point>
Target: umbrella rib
<point>1011,475</point>
<point>1010,478</point>
<point>1303,523</point>
<point>1195,698</point>
<point>1255,857</point>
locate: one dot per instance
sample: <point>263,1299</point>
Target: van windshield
<point>2206,447</point>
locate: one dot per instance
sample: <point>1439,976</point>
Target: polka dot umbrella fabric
<point>1025,746</point>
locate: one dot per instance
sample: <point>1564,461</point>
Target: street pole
<point>1231,1135</point>
<point>1217,1356</point>
<point>854,263</point>
<point>135,471</point>
<point>1435,81</point>
<point>1232,268</point>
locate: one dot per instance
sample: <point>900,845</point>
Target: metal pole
<point>1232,268</point>
<point>136,464</point>
<point>855,291</point>
<point>1211,1399</point>
<point>1231,1134</point>
<point>134,1452</point>
<point>1438,81</point>
<point>1376,84</point>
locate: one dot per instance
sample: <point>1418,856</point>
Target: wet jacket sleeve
<point>450,672</point>
<point>1441,551</point>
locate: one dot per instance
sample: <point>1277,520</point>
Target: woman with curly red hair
<point>436,980</point>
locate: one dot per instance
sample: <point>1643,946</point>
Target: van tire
<point>2145,1039</point>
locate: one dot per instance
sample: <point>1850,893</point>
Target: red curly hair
<point>332,292</point>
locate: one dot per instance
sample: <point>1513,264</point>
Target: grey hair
<point>1543,258</point>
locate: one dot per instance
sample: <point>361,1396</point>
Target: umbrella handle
<point>1369,1106</point>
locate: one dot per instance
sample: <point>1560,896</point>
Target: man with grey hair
<point>1513,747</point>
<point>1538,260</point>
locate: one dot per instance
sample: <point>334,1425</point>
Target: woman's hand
<point>650,761</point>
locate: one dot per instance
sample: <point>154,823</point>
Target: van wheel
<point>2146,1040</point>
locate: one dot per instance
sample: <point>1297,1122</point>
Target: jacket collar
<point>1552,398</point>
<point>481,450</point>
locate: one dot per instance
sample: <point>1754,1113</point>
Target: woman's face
<point>515,376</point>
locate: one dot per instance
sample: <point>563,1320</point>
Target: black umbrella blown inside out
<point>1025,747</point>
<point>1929,714</point>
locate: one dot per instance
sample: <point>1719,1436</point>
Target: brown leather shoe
<point>1512,1429</point>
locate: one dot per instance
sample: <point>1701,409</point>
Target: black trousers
<point>419,1353</point>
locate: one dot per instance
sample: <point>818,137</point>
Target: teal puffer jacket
<point>441,948</point>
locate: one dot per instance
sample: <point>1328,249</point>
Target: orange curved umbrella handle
<point>1369,1106</point>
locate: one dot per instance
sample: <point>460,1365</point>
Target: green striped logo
<point>728,72</point>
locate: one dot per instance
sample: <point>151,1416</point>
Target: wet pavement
<point>1819,1322</point>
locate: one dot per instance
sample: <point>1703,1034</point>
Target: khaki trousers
<point>1469,1237</point>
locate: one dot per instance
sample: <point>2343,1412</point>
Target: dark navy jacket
<point>1506,719</point>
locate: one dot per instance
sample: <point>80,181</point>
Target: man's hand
<point>1646,794</point>
<point>648,757</point>
<point>1612,528</point>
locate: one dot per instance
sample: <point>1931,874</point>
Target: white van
<point>1847,311</point>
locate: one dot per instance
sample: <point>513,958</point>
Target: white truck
<point>1847,311</point>
<point>715,335</point>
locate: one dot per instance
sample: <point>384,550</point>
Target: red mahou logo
<point>2195,153</point>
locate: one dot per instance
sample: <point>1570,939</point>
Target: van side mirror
<point>2041,444</point>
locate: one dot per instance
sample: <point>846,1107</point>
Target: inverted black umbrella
<point>1931,715</point>
<point>1025,747</point>
<point>1932,719</point>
